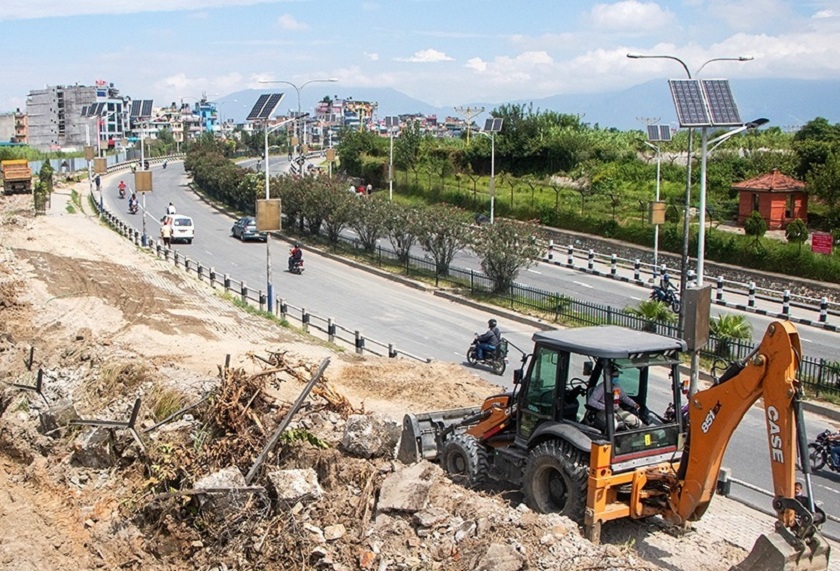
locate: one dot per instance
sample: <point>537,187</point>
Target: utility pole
<point>469,113</point>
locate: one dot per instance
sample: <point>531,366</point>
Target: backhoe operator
<point>624,419</point>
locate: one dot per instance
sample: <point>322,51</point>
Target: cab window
<point>547,367</point>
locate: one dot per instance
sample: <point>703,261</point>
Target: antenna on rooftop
<point>469,113</point>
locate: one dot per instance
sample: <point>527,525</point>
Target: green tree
<point>797,233</point>
<point>443,231</point>
<point>652,312</point>
<point>408,148</point>
<point>402,227</point>
<point>368,219</point>
<point>729,327</point>
<point>755,226</point>
<point>824,181</point>
<point>506,247</point>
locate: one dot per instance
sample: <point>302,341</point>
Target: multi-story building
<point>7,128</point>
<point>55,116</point>
<point>21,128</point>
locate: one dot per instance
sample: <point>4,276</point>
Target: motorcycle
<point>122,193</point>
<point>667,296</point>
<point>496,360</point>
<point>296,266</point>
<point>132,208</point>
<point>164,165</point>
<point>819,452</point>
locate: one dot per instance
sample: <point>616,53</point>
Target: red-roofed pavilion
<point>779,198</point>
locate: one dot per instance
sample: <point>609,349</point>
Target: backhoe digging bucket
<point>422,432</point>
<point>772,552</point>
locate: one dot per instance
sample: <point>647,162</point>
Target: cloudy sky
<point>443,52</point>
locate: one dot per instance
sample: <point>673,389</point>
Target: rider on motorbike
<point>295,255</point>
<point>121,186</point>
<point>488,341</point>
<point>132,203</point>
<point>164,164</point>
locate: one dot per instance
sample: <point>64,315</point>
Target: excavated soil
<point>107,323</point>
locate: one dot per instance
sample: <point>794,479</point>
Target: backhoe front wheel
<point>555,480</point>
<point>465,460</point>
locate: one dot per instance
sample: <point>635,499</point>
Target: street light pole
<point>301,132</point>
<point>695,358</point>
<point>492,175</point>
<point>656,199</point>
<point>269,285</point>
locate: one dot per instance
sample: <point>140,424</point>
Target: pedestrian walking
<point>166,234</point>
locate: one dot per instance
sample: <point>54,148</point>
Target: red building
<point>780,199</point>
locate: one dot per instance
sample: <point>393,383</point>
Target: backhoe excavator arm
<point>715,413</point>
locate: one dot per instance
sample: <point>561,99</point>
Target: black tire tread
<point>571,463</point>
<point>475,455</point>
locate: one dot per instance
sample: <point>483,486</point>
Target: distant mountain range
<point>787,103</point>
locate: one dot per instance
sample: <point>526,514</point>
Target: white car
<point>182,227</point>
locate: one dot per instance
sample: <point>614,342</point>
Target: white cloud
<point>476,64</point>
<point>426,56</point>
<point>288,22</point>
<point>752,15</point>
<point>630,16</point>
<point>28,9</point>
<point>372,56</point>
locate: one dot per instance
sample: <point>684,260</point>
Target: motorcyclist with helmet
<point>121,187</point>
<point>132,203</point>
<point>295,255</point>
<point>488,341</point>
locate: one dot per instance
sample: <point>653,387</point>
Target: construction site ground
<point>108,323</point>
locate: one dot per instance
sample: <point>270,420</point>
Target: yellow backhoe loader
<point>594,464</point>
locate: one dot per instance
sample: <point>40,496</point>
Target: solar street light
<point>492,126</point>
<point>263,109</point>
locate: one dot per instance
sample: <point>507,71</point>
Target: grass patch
<point>75,201</point>
<point>119,377</point>
<point>165,402</point>
<point>248,308</point>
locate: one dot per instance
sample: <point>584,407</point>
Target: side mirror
<point>587,368</point>
<point>518,374</point>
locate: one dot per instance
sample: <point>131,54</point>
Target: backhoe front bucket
<point>772,552</point>
<point>422,432</point>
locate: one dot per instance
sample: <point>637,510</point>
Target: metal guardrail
<point>607,265</point>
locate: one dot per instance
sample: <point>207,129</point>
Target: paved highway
<point>419,322</point>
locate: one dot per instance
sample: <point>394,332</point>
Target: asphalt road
<point>423,324</point>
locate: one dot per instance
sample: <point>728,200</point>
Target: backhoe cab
<point>567,459</point>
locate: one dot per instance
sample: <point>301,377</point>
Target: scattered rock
<point>371,436</point>
<point>501,557</point>
<point>407,490</point>
<point>293,486</point>
<point>94,448</point>
<point>224,498</point>
<point>57,416</point>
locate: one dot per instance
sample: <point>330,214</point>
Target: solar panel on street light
<point>141,108</point>
<point>659,133</point>
<point>264,107</point>
<point>392,121</point>
<point>721,103</point>
<point>689,102</point>
<point>493,124</point>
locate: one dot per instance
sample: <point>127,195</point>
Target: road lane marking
<point>534,271</point>
<point>583,284</point>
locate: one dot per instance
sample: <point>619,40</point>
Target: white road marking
<point>583,284</point>
<point>534,271</point>
<point>806,340</point>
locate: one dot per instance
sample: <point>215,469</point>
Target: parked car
<point>246,229</point>
<point>183,228</point>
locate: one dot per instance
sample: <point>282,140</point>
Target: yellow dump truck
<point>17,176</point>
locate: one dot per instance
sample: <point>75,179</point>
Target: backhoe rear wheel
<point>465,460</point>
<point>555,480</point>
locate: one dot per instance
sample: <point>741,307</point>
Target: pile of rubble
<point>206,484</point>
